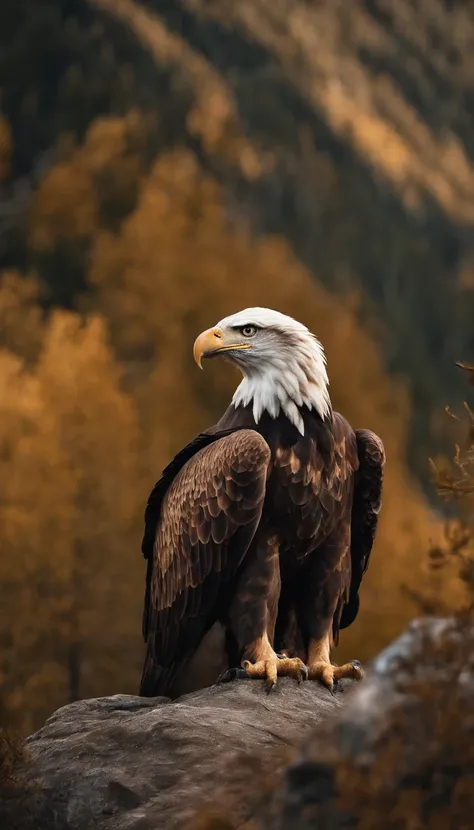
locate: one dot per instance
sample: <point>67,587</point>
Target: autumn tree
<point>21,315</point>
<point>69,619</point>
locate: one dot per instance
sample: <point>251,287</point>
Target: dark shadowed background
<point>163,164</point>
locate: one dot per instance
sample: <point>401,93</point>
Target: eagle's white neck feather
<point>285,370</point>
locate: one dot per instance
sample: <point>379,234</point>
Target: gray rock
<point>395,715</point>
<point>129,763</point>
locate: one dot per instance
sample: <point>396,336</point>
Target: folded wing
<point>365,511</point>
<point>208,518</point>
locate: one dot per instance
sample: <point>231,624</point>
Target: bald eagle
<point>264,522</point>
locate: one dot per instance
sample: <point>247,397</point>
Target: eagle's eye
<point>249,331</point>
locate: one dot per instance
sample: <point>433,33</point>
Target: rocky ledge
<point>130,763</point>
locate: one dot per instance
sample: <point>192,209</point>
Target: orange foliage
<point>70,497</point>
<point>21,316</point>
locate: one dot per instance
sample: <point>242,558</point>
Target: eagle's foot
<point>276,666</point>
<point>330,675</point>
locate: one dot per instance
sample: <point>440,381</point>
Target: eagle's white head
<point>283,363</point>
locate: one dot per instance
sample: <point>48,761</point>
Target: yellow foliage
<point>64,184</point>
<point>21,317</point>
<point>101,174</point>
<point>70,493</point>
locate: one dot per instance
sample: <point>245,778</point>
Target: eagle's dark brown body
<point>260,527</point>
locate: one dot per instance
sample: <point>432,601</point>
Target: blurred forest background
<point>167,162</point>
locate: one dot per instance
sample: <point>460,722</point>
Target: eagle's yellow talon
<point>329,675</point>
<point>274,667</point>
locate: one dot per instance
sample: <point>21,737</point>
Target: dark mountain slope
<point>345,127</point>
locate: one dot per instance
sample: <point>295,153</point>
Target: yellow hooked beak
<point>211,342</point>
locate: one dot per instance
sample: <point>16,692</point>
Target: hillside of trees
<point>163,164</point>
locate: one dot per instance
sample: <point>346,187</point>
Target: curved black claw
<point>236,673</point>
<point>303,674</point>
<point>336,687</point>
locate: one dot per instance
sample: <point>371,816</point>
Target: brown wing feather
<point>366,506</point>
<point>155,500</point>
<point>318,473</point>
<point>316,476</point>
<point>209,516</point>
